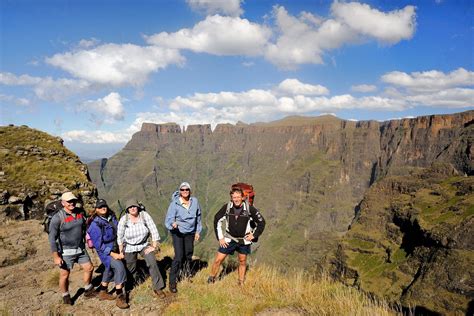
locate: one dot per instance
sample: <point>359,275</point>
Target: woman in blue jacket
<point>183,220</point>
<point>103,234</point>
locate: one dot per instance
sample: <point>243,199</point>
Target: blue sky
<point>93,71</point>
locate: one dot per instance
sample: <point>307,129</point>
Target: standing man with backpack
<point>66,238</point>
<point>240,218</point>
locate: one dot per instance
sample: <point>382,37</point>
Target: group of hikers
<point>119,241</point>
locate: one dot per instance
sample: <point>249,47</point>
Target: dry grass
<point>266,291</point>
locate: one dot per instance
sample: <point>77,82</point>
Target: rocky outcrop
<point>412,241</point>
<point>36,169</point>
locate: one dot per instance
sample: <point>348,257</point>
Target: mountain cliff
<point>310,174</point>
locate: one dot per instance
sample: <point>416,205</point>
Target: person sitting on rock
<point>133,231</point>
<point>67,241</point>
<point>103,234</point>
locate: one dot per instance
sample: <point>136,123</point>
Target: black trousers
<point>183,245</point>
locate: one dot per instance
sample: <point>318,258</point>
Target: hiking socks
<point>88,287</point>
<point>66,294</point>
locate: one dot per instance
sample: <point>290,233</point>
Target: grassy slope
<point>47,160</point>
<point>267,290</point>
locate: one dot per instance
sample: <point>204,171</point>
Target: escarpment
<point>312,178</point>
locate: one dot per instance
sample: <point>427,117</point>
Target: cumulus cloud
<point>210,7</point>
<point>14,100</point>
<point>305,39</point>
<point>87,43</point>
<point>450,98</point>
<point>430,80</point>
<point>9,79</point>
<point>295,87</point>
<point>106,109</point>
<point>364,88</point>
<point>388,27</point>
<point>47,88</point>
<point>218,35</point>
<point>116,65</point>
<point>96,137</point>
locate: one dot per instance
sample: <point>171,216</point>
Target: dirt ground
<point>29,280</point>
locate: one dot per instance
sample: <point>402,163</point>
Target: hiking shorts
<point>235,246</point>
<point>81,258</point>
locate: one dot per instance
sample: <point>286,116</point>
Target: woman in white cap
<point>132,237</point>
<point>183,220</point>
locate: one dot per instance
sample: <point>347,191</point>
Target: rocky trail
<point>29,280</point>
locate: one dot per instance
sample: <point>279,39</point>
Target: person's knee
<point>63,274</point>
<point>88,267</point>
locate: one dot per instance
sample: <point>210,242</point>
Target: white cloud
<point>14,100</point>
<point>60,89</point>
<point>88,43</point>
<point>96,137</point>
<point>218,35</point>
<point>294,87</point>
<point>106,109</point>
<point>304,40</point>
<point>390,27</point>
<point>47,88</point>
<point>364,88</point>
<point>10,79</point>
<point>116,65</point>
<point>430,80</point>
<point>210,7</point>
<point>450,98</point>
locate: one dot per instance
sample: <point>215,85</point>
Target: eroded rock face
<point>36,169</point>
<point>310,175</point>
<point>412,241</point>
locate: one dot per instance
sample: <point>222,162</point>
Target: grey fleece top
<point>68,230</point>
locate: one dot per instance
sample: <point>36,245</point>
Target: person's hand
<point>249,237</point>
<point>174,225</point>
<point>196,237</point>
<point>149,249</point>
<point>58,261</point>
<point>223,243</point>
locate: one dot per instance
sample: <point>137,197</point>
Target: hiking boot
<point>173,288</point>
<point>104,296</point>
<point>90,293</point>
<point>160,294</point>
<point>211,280</point>
<point>121,302</point>
<point>67,300</point>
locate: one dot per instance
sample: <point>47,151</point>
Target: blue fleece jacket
<point>188,220</point>
<point>103,236</point>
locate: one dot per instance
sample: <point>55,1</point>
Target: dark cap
<point>101,203</point>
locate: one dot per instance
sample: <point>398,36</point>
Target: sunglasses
<point>184,189</point>
<point>72,202</point>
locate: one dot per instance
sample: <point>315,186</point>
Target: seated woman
<point>133,231</point>
<point>103,234</point>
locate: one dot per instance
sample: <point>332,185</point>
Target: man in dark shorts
<point>66,238</point>
<point>238,234</point>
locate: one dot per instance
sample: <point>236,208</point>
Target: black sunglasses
<point>184,189</point>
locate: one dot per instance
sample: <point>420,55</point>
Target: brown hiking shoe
<point>90,293</point>
<point>173,288</point>
<point>121,302</point>
<point>104,296</point>
<point>160,294</point>
<point>67,300</point>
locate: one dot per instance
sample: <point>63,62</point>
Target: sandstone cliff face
<point>310,174</point>
<point>36,169</point>
<point>412,241</point>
